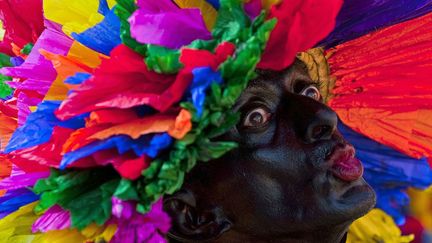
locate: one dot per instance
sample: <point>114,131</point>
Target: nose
<point>313,121</point>
<point>321,126</point>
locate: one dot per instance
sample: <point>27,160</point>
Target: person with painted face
<point>293,178</point>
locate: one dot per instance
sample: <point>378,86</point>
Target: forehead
<point>277,82</point>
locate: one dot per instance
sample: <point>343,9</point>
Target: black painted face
<point>292,174</point>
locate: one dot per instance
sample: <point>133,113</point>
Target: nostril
<point>320,132</point>
<point>321,127</point>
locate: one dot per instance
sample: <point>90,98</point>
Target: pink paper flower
<point>136,227</point>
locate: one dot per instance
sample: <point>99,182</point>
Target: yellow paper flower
<point>376,226</point>
<point>16,228</point>
<point>75,16</point>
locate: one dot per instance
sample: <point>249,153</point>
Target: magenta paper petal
<point>135,227</point>
<point>55,218</point>
<point>38,71</point>
<point>23,104</point>
<point>253,8</point>
<point>19,179</point>
<point>121,209</point>
<point>173,27</point>
<point>157,6</point>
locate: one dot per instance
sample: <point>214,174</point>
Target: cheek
<point>287,164</point>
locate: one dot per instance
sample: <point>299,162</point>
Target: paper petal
<point>136,227</point>
<point>123,82</point>
<point>104,36</point>
<point>358,18</point>
<point>300,25</point>
<point>173,28</point>
<point>54,218</point>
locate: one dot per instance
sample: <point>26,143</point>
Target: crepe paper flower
<point>214,3</point>
<point>253,8</point>
<point>202,79</point>
<point>14,199</point>
<point>394,201</point>
<point>17,226</point>
<point>36,68</point>
<point>20,179</point>
<point>76,16</point>
<point>123,81</point>
<point>182,125</point>
<point>36,72</point>
<point>78,78</point>
<point>374,92</point>
<point>92,233</point>
<point>376,226</point>
<point>385,166</point>
<point>86,194</point>
<point>157,123</point>
<point>192,58</point>
<point>104,36</point>
<point>415,227</point>
<point>65,66</point>
<point>8,121</point>
<point>136,227</point>
<point>420,206</point>
<point>208,12</point>
<point>359,18</point>
<point>5,168</point>
<point>142,148</point>
<point>22,21</point>
<point>5,61</point>
<point>163,23</point>
<point>39,127</point>
<point>54,218</point>
<point>41,157</point>
<point>130,168</point>
<point>297,30</point>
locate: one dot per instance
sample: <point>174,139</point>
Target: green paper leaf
<point>126,190</point>
<point>86,194</point>
<point>92,206</point>
<point>27,49</point>
<point>124,9</point>
<point>163,60</point>
<point>231,21</point>
<point>5,90</point>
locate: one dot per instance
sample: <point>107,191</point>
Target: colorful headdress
<point>111,102</point>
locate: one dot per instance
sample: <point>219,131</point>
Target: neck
<point>334,235</point>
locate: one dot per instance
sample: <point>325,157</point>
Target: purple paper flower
<point>136,227</point>
<point>54,218</point>
<point>163,23</point>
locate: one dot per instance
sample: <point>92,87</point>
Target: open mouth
<point>344,165</point>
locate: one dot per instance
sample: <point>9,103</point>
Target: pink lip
<point>344,165</point>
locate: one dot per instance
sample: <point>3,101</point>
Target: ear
<point>192,221</point>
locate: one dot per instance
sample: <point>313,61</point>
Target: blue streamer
<point>102,37</point>
<point>214,3</point>
<point>40,125</point>
<point>358,18</point>
<point>103,7</point>
<point>389,172</point>
<point>203,77</point>
<point>14,199</point>
<point>78,78</point>
<point>149,145</point>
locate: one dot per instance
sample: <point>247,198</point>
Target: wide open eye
<point>311,92</point>
<point>256,118</point>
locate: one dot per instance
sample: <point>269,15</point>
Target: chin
<point>351,201</point>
